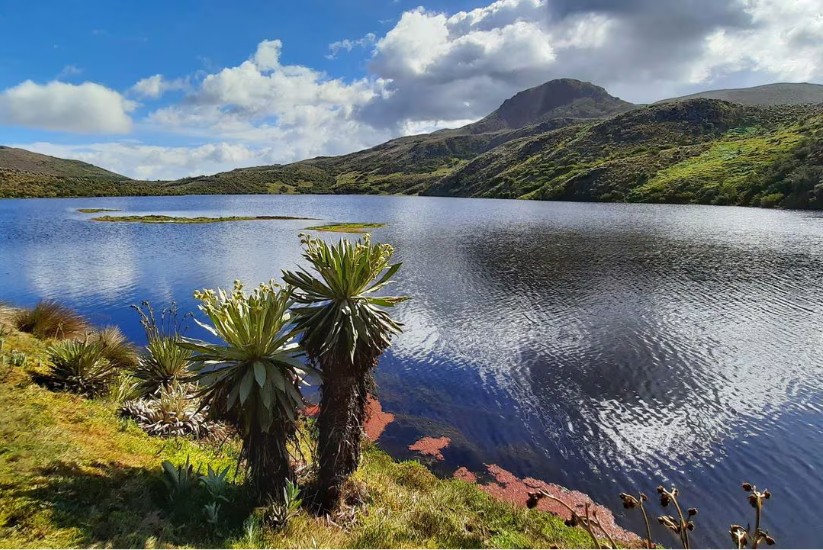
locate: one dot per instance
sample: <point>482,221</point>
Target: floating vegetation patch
<point>346,227</point>
<point>199,219</point>
<point>97,210</point>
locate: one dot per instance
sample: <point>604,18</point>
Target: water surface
<point>602,347</point>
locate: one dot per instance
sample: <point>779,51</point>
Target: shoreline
<point>496,481</point>
<point>397,195</point>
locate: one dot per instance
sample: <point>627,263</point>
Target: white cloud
<point>463,65</point>
<point>267,56</point>
<point>295,111</point>
<point>69,71</point>
<point>348,45</point>
<point>141,161</point>
<point>155,86</point>
<point>785,42</point>
<point>262,86</point>
<point>84,108</point>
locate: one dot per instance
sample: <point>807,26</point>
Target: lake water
<point>602,347</point>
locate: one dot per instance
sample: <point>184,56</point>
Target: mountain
<point>26,161</point>
<point>563,140</point>
<point>404,165</point>
<point>771,94</point>
<point>27,174</point>
<point>692,151</point>
<point>561,99</point>
<point>411,164</point>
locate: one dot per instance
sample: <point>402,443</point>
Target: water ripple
<point>602,347</point>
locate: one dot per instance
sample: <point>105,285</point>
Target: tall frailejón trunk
<point>269,463</point>
<point>345,390</point>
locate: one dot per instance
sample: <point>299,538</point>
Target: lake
<point>604,347</point>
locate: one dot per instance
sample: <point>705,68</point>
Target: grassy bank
<point>73,474</point>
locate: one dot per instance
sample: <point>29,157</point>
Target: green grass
<point>72,474</point>
<point>346,227</point>
<point>724,169</point>
<point>97,210</point>
<point>199,219</point>
<point>700,151</point>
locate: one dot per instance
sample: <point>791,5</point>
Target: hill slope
<point>27,174</point>
<point>695,151</point>
<point>26,161</point>
<point>410,164</point>
<point>404,165</point>
<point>782,93</point>
<point>563,140</point>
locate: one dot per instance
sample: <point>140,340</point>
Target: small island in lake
<point>346,227</point>
<point>199,219</point>
<point>97,210</point>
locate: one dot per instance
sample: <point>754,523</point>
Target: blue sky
<point>167,89</point>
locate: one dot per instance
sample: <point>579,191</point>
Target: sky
<point>161,89</point>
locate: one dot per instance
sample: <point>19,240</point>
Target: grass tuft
<point>48,319</point>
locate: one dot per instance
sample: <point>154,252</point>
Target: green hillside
<point>411,164</point>
<point>27,174</point>
<point>563,140</point>
<point>696,151</point>
<point>405,165</point>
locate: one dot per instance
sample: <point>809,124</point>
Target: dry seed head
<point>668,521</point>
<point>739,535</point>
<point>629,501</point>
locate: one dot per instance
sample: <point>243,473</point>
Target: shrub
<point>163,363</point>
<point>80,367</point>
<point>278,513</point>
<point>170,323</point>
<point>772,200</point>
<point>49,319</point>
<point>116,348</point>
<point>253,379</point>
<point>173,413</point>
<point>4,333</point>
<point>216,483</point>
<point>180,482</point>
<point>124,388</point>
